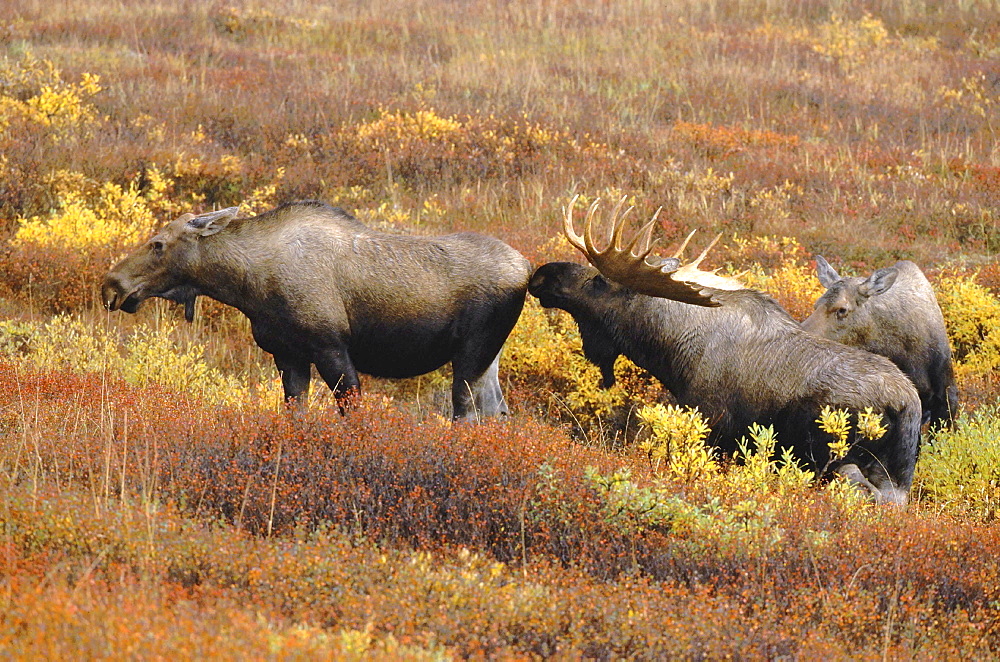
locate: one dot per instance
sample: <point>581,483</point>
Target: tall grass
<point>892,142</point>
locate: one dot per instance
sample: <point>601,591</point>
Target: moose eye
<point>157,246</point>
<point>598,284</point>
<point>841,313</point>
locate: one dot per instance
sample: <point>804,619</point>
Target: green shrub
<point>960,469</point>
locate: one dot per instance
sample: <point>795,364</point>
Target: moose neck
<point>660,336</point>
<point>670,339</point>
<point>229,270</point>
<point>664,337</point>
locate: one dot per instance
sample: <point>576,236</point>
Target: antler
<point>666,279</point>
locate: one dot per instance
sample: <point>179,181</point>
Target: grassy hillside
<point>159,502</point>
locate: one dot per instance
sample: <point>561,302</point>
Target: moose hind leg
<point>476,391</point>
<point>475,397</point>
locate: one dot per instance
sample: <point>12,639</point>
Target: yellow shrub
<point>545,354</point>
<point>385,216</point>
<point>110,217</point>
<point>761,471</point>
<point>93,216</point>
<point>774,204</point>
<point>64,105</point>
<point>849,43</point>
<point>677,437</point>
<point>62,343</point>
<point>33,91</point>
<point>149,356</point>
<point>391,129</point>
<point>153,357</point>
<point>698,191</point>
<point>836,422</point>
<point>423,145</point>
<point>263,197</point>
<point>972,318</point>
<point>974,96</point>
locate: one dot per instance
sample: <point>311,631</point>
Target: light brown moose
<point>320,288</point>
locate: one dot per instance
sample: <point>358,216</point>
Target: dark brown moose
<point>321,288</point>
<point>892,312</point>
<point>738,356</point>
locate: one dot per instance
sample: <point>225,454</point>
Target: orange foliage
<point>722,141</point>
<point>311,490</point>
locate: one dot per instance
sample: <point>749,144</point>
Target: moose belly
<point>406,353</point>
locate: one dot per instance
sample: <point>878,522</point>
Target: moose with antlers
<point>732,352</point>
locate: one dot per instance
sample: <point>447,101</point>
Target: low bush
<point>391,533</point>
<point>959,469</point>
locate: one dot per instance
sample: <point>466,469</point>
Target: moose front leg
<point>335,367</point>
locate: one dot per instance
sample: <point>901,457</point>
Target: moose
<point>732,352</point>
<point>892,312</point>
<point>321,288</point>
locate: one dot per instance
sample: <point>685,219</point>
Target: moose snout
<point>552,282</point>
<point>113,292</point>
<point>536,284</point>
<point>549,277</point>
<point>540,286</point>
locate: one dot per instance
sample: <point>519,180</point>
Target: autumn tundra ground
<point>160,502</point>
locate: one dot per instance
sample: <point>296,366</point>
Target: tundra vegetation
<point>157,498</point>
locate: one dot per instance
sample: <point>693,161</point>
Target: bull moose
<point>892,312</point>
<point>733,352</point>
<point>320,288</point>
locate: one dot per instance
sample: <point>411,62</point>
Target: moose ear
<point>879,282</point>
<point>827,275</point>
<point>213,221</point>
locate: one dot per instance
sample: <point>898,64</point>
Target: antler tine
<point>691,273</point>
<point>568,228</point>
<point>628,265</point>
<point>645,234</point>
<point>588,232</point>
<point>680,250</point>
<point>618,224</point>
<point>705,252</point>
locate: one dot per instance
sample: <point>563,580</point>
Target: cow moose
<point>320,288</point>
<point>734,353</point>
<point>892,312</point>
